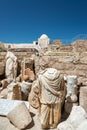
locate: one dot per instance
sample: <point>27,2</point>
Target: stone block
<point>77,119</point>
<point>20,116</point>
<point>63,66</point>
<point>6,105</point>
<point>81,67</point>
<point>83,60</point>
<point>80,45</point>
<point>14,91</point>
<point>82,81</point>
<point>2,70</point>
<point>6,125</point>
<point>83,97</point>
<point>4,93</point>
<point>5,82</point>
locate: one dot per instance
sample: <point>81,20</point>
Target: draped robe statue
<point>11,66</point>
<point>51,96</point>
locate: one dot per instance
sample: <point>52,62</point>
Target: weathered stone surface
<point>25,88</point>
<point>80,45</point>
<point>29,63</point>
<point>71,87</point>
<point>81,67</point>
<point>30,74</point>
<point>14,91</point>
<point>83,60</point>
<point>63,66</point>
<point>25,78</point>
<point>75,120</point>
<point>83,97</point>
<point>20,116</point>
<point>57,42</point>
<point>66,48</point>
<point>7,105</point>
<point>51,88</point>
<point>2,66</point>
<point>17,92</point>
<point>83,125</point>
<point>6,125</point>
<point>33,95</point>
<point>11,66</point>
<point>4,93</point>
<point>68,106</point>
<point>27,69</point>
<point>43,63</point>
<point>67,59</point>
<point>82,81</point>
<point>5,82</point>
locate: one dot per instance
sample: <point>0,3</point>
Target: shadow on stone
<point>29,126</point>
<point>32,114</point>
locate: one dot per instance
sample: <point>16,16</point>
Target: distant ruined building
<point>44,42</point>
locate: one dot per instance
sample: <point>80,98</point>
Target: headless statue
<point>51,96</point>
<point>11,66</point>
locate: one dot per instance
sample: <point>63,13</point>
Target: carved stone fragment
<point>20,116</point>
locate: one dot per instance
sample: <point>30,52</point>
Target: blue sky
<point>26,20</point>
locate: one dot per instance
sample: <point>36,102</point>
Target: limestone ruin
<point>20,82</point>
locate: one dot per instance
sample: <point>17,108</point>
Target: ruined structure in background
<point>27,69</point>
<point>43,41</point>
<point>57,42</point>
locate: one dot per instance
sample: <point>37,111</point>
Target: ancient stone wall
<point>68,59</point>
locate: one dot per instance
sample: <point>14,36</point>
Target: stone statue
<point>71,96</point>
<point>71,88</point>
<point>11,66</point>
<point>51,97</point>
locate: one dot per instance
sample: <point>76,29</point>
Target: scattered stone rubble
<point>22,86</point>
<point>77,120</point>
